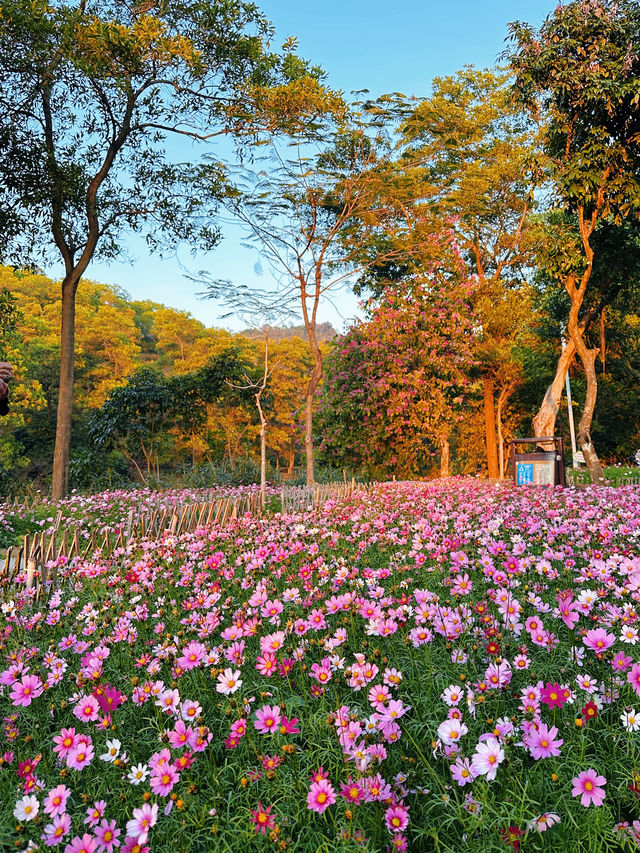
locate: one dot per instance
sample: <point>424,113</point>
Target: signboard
<point>544,472</point>
<point>578,458</point>
<point>524,473</point>
<point>536,473</point>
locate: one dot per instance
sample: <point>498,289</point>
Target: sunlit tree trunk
<point>60,479</point>
<point>490,428</point>
<point>444,457</point>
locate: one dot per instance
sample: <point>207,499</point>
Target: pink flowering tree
<point>396,384</point>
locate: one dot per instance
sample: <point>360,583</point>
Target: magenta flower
<point>633,677</point>
<point>540,742</point>
<point>588,786</point>
<point>396,818</point>
<point>320,796</point>
<point>262,819</point>
<point>108,697</point>
<point>352,792</point>
<point>163,781</point>
<point>86,844</point>
<point>554,695</point>
<point>107,836</point>
<point>25,691</point>
<point>55,831</point>
<point>267,719</point>
<point>598,640</point>
<point>55,803</point>
<point>621,662</point>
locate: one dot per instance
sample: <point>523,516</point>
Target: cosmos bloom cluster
<point>397,660</point>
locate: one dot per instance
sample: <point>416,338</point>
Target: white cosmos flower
<point>113,750</point>
<point>228,681</point>
<point>138,774</point>
<point>630,720</point>
<point>27,808</point>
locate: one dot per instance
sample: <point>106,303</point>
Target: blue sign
<point>524,473</point>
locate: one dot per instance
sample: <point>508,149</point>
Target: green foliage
<point>138,417</point>
<point>579,74</point>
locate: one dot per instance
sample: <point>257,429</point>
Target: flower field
<point>446,666</point>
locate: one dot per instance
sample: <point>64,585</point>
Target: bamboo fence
<point>39,555</point>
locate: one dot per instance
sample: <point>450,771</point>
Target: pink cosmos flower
<point>80,756</point>
<point>55,803</point>
<point>159,760</point>
<point>228,681</point>
<point>588,786</point>
<point>108,697</point>
<point>633,677</point>
<point>540,742</point>
<point>131,845</point>
<point>320,796</point>
<point>87,709</point>
<point>94,813</point>
<point>143,820</point>
<point>64,742</point>
<point>23,692</point>
<point>450,731</point>
<point>267,664</point>
<point>396,818</point>
<point>598,639</point>
<point>462,772</point>
<point>107,836</point>
<point>163,781</point>
<point>86,844</point>
<point>55,831</point>
<point>352,792</point>
<point>488,755</point>
<point>267,719</point>
<point>554,695</point>
<point>621,662</point>
<point>181,736</point>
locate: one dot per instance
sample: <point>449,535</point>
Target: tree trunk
<point>263,452</point>
<point>490,428</point>
<point>588,358</point>
<point>503,398</point>
<point>444,457</point>
<point>544,423</point>
<point>312,387</point>
<point>60,478</point>
<point>292,458</point>
<point>500,439</point>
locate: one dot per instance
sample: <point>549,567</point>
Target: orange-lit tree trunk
<point>490,428</point>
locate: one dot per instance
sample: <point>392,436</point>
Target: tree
<point>466,151</point>
<point>396,383</point>
<point>306,216</point>
<point>578,76</point>
<point>90,94</point>
<point>137,417</point>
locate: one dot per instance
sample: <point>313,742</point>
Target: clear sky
<point>380,45</point>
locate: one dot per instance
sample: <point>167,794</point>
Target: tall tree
<point>578,75</point>
<point>463,165</point>
<point>306,216</point>
<point>396,383</point>
<point>90,93</point>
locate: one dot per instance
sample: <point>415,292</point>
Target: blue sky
<point>381,46</point>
